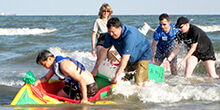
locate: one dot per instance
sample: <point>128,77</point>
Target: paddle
<point>114,56</point>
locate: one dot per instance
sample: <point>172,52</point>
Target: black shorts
<point>76,94</point>
<point>210,55</point>
<point>101,39</point>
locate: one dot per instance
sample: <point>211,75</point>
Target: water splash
<point>171,90</point>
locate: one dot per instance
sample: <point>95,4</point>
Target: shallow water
<point>21,37</point>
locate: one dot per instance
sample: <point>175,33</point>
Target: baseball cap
<point>180,21</point>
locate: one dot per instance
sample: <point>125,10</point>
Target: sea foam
<point>26,31</point>
<point>169,91</point>
<point>212,28</point>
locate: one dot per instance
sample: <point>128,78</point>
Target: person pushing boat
<point>132,46</point>
<point>199,47</point>
<point>80,82</point>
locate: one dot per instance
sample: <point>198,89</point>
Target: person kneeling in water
<point>77,78</point>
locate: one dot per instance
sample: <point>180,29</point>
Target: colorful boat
<point>45,93</point>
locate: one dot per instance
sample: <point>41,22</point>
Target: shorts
<point>141,68</point>
<point>210,55</point>
<point>76,94</point>
<point>101,39</point>
<point>160,56</point>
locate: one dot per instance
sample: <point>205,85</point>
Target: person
<point>199,48</point>
<point>163,39</point>
<point>100,30</point>
<point>132,46</point>
<point>77,78</point>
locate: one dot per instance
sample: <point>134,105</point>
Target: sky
<point>119,7</point>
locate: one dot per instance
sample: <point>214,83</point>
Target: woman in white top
<point>100,29</point>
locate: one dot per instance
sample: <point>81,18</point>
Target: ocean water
<point>22,37</point>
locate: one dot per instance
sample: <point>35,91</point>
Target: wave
<point>26,31</point>
<point>212,28</point>
<point>174,89</point>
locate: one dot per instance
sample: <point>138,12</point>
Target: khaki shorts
<point>141,68</point>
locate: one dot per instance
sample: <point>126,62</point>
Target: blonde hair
<point>104,7</point>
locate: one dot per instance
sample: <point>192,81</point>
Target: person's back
<point>196,34</point>
<point>132,42</point>
<point>80,82</point>
<point>69,62</point>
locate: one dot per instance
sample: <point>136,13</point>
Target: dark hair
<point>43,55</point>
<point>115,22</point>
<point>164,16</point>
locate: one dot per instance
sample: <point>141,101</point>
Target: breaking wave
<point>212,28</point>
<point>26,31</point>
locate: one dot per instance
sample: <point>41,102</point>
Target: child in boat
<point>77,78</point>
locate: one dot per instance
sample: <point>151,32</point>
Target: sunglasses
<point>181,27</point>
<point>106,11</point>
<point>163,24</point>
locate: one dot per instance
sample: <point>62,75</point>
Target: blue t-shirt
<point>131,42</point>
<point>165,41</point>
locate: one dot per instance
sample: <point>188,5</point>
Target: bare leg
<point>98,48</point>
<point>210,68</point>
<point>191,63</point>
<point>173,68</point>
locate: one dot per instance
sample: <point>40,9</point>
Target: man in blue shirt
<point>133,47</point>
<point>163,38</point>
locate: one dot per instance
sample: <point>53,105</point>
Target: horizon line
<point>95,14</point>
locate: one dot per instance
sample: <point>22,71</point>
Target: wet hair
<point>164,16</point>
<point>43,55</point>
<point>104,7</point>
<point>115,22</point>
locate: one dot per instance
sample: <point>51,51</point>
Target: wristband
<point>168,60</point>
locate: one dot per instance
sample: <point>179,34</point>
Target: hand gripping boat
<point>45,93</point>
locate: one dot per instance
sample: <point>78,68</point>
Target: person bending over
<point>133,47</point>
<point>77,78</point>
<point>199,48</point>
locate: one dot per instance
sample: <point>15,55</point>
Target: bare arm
<point>172,55</point>
<point>122,66</point>
<point>153,46</point>
<point>174,52</point>
<point>45,78</point>
<point>102,54</point>
<point>93,43</point>
<point>190,52</point>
